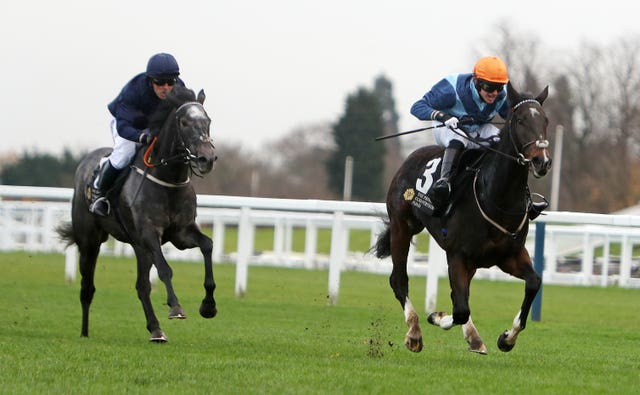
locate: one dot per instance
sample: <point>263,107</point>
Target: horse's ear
<point>201,96</point>
<point>512,94</point>
<point>543,95</point>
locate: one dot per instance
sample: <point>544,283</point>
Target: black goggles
<point>164,81</point>
<point>490,86</point>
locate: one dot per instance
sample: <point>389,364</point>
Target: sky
<point>267,67</point>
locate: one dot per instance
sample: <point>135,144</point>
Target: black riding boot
<point>101,184</point>
<point>441,189</point>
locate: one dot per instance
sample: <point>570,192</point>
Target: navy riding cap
<point>162,65</point>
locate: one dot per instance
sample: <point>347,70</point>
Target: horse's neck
<point>167,149</point>
<point>504,180</point>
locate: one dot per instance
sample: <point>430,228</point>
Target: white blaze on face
<point>196,111</point>
<point>534,112</point>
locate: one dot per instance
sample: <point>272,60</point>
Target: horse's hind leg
<point>460,281</point>
<point>520,267</point>
<point>399,281</point>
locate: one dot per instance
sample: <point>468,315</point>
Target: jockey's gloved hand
<point>451,123</point>
<point>145,137</point>
<point>466,120</point>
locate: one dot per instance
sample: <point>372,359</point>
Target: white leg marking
<point>512,334</point>
<point>408,309</point>
<point>441,320</point>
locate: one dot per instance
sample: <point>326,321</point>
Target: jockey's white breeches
<point>123,149</point>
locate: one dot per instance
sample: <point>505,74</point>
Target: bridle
<point>540,143</point>
<point>183,154</point>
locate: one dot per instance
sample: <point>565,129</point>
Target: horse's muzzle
<point>541,165</point>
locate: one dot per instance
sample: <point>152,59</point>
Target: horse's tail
<point>65,231</point>
<point>382,248</point>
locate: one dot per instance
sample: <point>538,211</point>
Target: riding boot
<point>441,189</point>
<point>535,209</point>
<point>103,181</point>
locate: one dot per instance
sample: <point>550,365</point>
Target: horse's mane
<point>178,96</point>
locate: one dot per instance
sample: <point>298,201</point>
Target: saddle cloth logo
<point>419,198</point>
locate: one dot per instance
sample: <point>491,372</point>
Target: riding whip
<point>407,132</point>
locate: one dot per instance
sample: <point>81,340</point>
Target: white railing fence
<point>578,249</point>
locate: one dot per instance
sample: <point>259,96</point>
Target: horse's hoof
<point>502,343</point>
<point>414,345</point>
<point>477,346</point>
<point>441,319</point>
<point>208,310</point>
<point>482,350</point>
<point>177,312</point>
<point>157,336</point>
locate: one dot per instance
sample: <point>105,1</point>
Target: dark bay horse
<point>156,204</point>
<point>487,225</point>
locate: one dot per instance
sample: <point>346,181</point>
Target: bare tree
<point>297,168</point>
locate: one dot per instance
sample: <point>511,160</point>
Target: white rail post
<point>435,268</point>
<point>336,256</point>
<point>70,263</point>
<point>245,245</point>
<point>625,262</point>
<point>218,240</point>
<point>310,243</point>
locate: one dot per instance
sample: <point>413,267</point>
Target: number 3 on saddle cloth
<point>419,196</point>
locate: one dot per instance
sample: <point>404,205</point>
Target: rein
<point>519,158</point>
<point>491,221</point>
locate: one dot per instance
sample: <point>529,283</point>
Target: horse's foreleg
<point>521,268</point>
<point>143,287</point>
<point>208,306</point>
<point>459,280</point>
<point>399,281</point>
<point>473,338</point>
<point>189,237</point>
<point>165,273</point>
<point>152,244</point>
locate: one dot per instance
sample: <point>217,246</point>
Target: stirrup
<point>101,206</point>
<point>536,208</point>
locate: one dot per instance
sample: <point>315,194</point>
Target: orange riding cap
<point>492,69</point>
